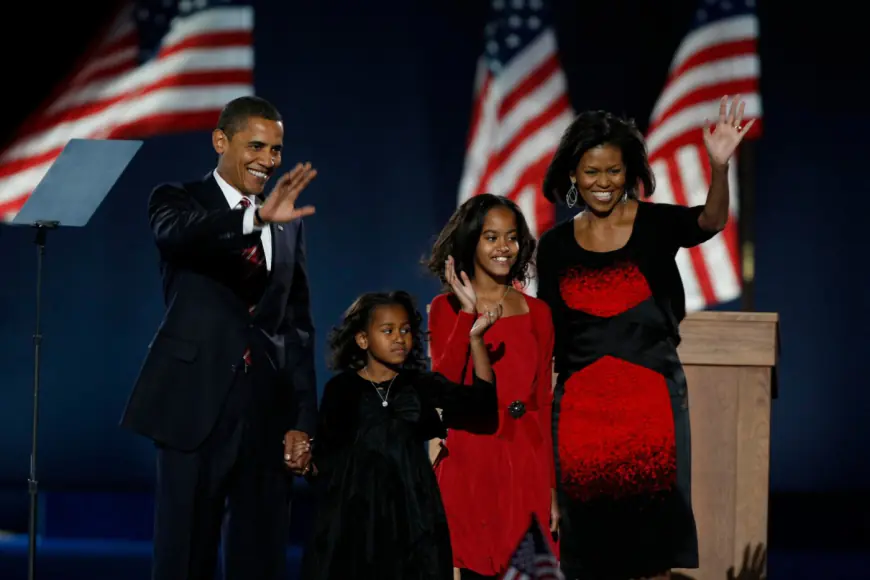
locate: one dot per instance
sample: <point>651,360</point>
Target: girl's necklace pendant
<point>383,398</point>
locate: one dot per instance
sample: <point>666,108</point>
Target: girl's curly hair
<point>346,355</point>
<point>460,237</point>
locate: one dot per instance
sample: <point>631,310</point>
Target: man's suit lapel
<point>278,242</point>
<point>208,193</point>
<point>282,249</point>
<point>280,276</point>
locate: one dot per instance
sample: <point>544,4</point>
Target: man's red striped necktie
<point>255,261</point>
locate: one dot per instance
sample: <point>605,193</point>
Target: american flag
<point>161,66</point>
<point>716,57</point>
<point>520,110</point>
<point>533,560</point>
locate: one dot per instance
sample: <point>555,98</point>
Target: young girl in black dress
<point>380,513</point>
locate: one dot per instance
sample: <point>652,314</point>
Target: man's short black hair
<point>235,114</point>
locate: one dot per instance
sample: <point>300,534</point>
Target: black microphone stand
<point>42,228</point>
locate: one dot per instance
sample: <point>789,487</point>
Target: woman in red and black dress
<point>620,411</point>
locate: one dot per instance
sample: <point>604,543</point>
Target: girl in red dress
<point>494,477</point>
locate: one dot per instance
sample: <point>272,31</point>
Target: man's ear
<point>220,141</point>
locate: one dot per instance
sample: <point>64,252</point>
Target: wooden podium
<point>730,359</point>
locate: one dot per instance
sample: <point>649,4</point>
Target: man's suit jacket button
<point>233,368</point>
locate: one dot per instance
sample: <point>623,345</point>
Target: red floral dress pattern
<point>616,432</point>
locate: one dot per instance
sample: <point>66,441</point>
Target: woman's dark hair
<point>460,237</point>
<point>345,353</point>
<point>591,129</point>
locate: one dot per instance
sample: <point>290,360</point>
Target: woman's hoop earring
<point>571,196</point>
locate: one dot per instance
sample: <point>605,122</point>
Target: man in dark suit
<point>227,391</point>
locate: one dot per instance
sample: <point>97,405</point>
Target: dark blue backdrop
<point>377,96</point>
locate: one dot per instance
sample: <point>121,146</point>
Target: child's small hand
<point>484,321</point>
<point>297,451</point>
<point>461,286</point>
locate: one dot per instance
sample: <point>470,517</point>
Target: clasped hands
<point>297,452</point>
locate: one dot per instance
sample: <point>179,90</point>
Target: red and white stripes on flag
<point>717,57</point>
<point>205,60</point>
<point>532,559</point>
<point>519,114</point>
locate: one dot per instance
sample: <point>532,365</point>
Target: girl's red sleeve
<point>450,347</point>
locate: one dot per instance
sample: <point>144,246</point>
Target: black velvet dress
<point>380,513</point>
